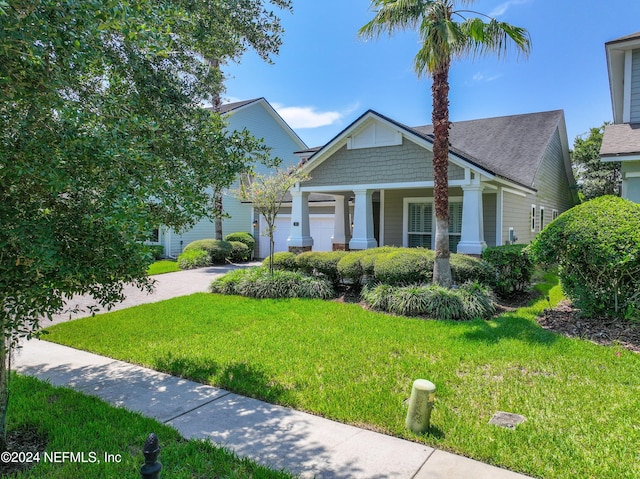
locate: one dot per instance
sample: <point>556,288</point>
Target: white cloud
<point>503,7</point>
<point>481,77</point>
<point>307,116</point>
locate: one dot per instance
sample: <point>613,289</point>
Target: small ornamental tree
<point>597,246</point>
<point>266,193</point>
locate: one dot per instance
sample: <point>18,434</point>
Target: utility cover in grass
<point>507,419</point>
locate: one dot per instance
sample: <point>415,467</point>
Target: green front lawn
<point>69,421</point>
<point>340,361</point>
<point>163,266</point>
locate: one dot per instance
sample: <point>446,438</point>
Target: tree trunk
<point>218,211</point>
<point>217,198</point>
<point>440,118</point>
<point>5,372</point>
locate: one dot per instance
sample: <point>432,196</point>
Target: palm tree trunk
<point>440,118</point>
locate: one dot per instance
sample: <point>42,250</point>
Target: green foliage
<point>595,177</point>
<point>404,266</point>
<point>156,251</point>
<point>321,262</point>
<point>266,194</point>
<point>240,252</point>
<point>260,283</point>
<point>243,237</point>
<point>470,301</point>
<point>194,258</point>
<point>597,245</point>
<point>467,268</point>
<point>354,266</point>
<point>513,267</point>
<point>283,261</point>
<point>217,250</point>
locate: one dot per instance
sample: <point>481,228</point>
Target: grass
<point>77,423</point>
<point>355,366</point>
<point>163,266</point>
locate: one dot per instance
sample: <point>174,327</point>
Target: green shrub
<point>194,258</point>
<point>404,266</point>
<point>242,237</point>
<point>240,252</point>
<point>470,301</point>
<point>218,250</point>
<point>467,268</point>
<point>355,265</point>
<point>156,250</point>
<point>258,283</point>
<point>513,268</point>
<point>283,261</point>
<point>597,246</point>
<point>321,262</point>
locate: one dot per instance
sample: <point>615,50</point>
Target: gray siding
<point>489,217</point>
<point>389,164</point>
<point>552,183</point>
<point>635,87</point>
<point>516,213</point>
<point>393,211</point>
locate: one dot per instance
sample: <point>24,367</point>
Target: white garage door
<point>321,227</point>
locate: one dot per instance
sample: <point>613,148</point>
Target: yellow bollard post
<point>423,396</point>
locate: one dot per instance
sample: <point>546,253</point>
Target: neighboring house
<point>621,141</point>
<point>259,117</point>
<point>508,176</point>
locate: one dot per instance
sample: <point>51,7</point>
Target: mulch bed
<point>566,320</point>
<point>23,440</point>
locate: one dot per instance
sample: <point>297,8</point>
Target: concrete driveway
<point>167,286</point>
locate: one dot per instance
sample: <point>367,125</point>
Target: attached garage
<point>320,225</point>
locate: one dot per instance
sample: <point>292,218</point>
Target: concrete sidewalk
<point>272,435</point>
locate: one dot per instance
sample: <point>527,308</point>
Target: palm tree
<point>446,34</point>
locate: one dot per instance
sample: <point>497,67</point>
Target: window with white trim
<point>541,218</point>
<point>420,225</point>
<point>554,214</point>
<point>533,218</point>
<point>455,225</point>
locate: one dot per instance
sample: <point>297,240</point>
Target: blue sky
<point>325,76</point>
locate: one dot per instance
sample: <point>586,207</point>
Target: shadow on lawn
<point>240,378</point>
<point>510,326</point>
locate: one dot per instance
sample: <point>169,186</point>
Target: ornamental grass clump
<point>470,301</point>
<point>597,247</point>
<point>259,283</point>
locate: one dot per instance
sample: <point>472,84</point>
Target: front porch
<point>385,215</point>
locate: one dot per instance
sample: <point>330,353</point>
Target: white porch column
<point>363,221</point>
<point>299,235</point>
<point>472,235</point>
<point>341,229</point>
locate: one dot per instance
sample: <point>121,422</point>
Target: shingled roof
<point>227,107</point>
<point>620,140</point>
<point>508,146</point>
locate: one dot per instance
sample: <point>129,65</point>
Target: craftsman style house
<point>508,177</point>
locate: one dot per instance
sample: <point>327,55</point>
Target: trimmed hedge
<point>470,301</point>
<point>240,252</point>
<point>242,237</point>
<point>467,268</point>
<point>218,250</point>
<point>282,261</point>
<point>597,246</point>
<point>321,262</point>
<point>356,265</point>
<point>194,258</point>
<point>258,283</point>
<point>404,266</point>
<point>513,266</point>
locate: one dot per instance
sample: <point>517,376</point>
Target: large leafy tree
<point>103,138</point>
<point>595,177</point>
<point>446,34</point>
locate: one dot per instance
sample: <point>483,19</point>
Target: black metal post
<point>151,467</point>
